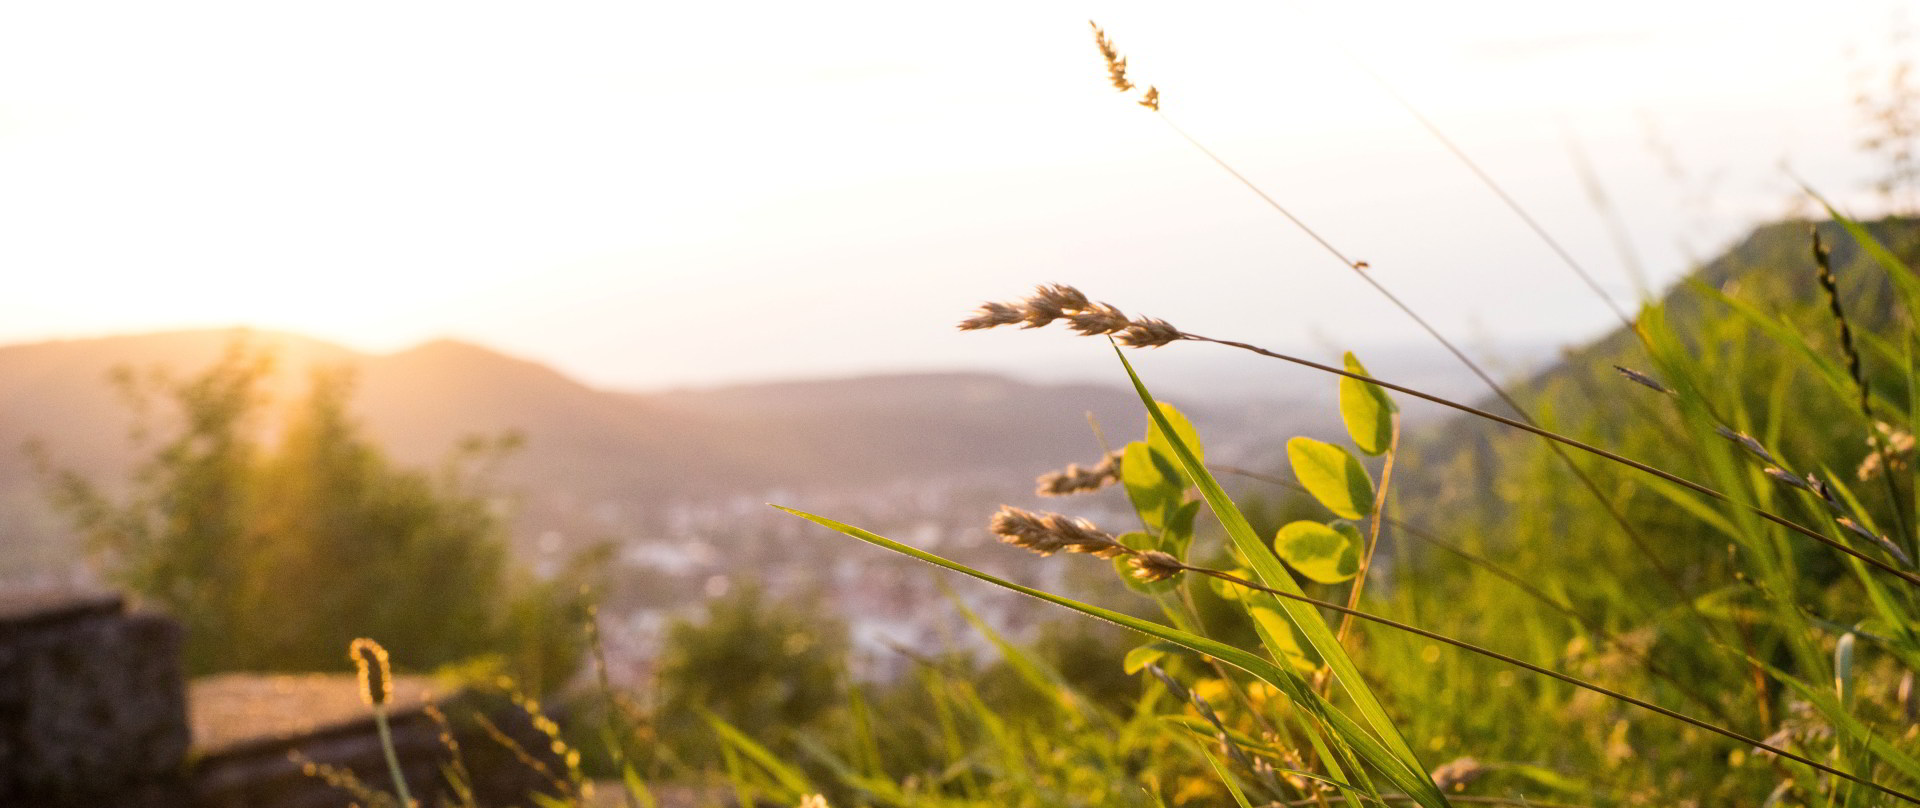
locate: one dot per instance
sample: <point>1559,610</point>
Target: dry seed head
<point>1148,332</point>
<point>376,675</point>
<point>993,315</point>
<point>1061,296</point>
<point>1149,566</point>
<point>1783,477</point>
<point>1023,528</point>
<point>1747,442</point>
<point>1041,311</point>
<point>1099,318</point>
<point>1051,533</point>
<point>1152,99</point>
<point>1076,480</point>
<point>1116,64</point>
<point>1643,379</point>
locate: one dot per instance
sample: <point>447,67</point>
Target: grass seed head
<point>1061,296</point>
<point>993,315</point>
<point>376,675</point>
<point>1049,533</point>
<point>1149,566</point>
<point>1748,443</point>
<point>1643,379</point>
<point>1116,64</point>
<point>1099,318</point>
<point>1148,332</point>
<point>1077,480</point>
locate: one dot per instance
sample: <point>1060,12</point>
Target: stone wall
<point>95,712</point>
<point>92,700</point>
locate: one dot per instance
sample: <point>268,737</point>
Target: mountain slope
<point>595,463</point>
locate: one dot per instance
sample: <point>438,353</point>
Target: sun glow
<point>454,169</point>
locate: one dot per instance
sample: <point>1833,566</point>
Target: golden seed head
<point>1149,566</point>
<point>1049,533</point>
<point>1039,312</point>
<point>1152,99</point>
<point>376,674</point>
<point>1062,296</point>
<point>1075,479</point>
<point>993,315</point>
<point>1148,332</point>
<point>1099,318</point>
<point>1116,64</point>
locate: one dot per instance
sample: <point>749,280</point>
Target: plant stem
<point>393,758</point>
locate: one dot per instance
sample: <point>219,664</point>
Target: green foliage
<point>275,552</point>
<point>1367,410</point>
<point>1327,554</point>
<point>1333,476</point>
<point>770,668</point>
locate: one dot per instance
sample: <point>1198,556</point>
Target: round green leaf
<point>1323,553</point>
<point>1182,429</point>
<point>1333,476</point>
<point>1153,482</point>
<point>1366,409</point>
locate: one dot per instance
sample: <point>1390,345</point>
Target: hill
<point>596,463</point>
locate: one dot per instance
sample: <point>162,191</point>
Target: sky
<point>651,195</point>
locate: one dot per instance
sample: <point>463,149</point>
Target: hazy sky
<point>652,194</point>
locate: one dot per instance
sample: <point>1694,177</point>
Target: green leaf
<point>1366,409</point>
<point>1333,476</point>
<point>1153,482</point>
<point>1182,428</point>
<point>1178,533</point>
<point>1148,654</point>
<point>1324,553</point>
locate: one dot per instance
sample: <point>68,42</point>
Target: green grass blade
<point>1232,783</point>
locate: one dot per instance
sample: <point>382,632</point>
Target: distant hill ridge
<point>587,449</point>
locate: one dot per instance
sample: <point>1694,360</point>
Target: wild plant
<point>1779,705</point>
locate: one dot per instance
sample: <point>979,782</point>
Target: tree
<point>275,553</point>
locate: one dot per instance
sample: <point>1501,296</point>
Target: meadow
<point>1676,568</point>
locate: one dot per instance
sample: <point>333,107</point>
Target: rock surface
<point>92,699</point>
